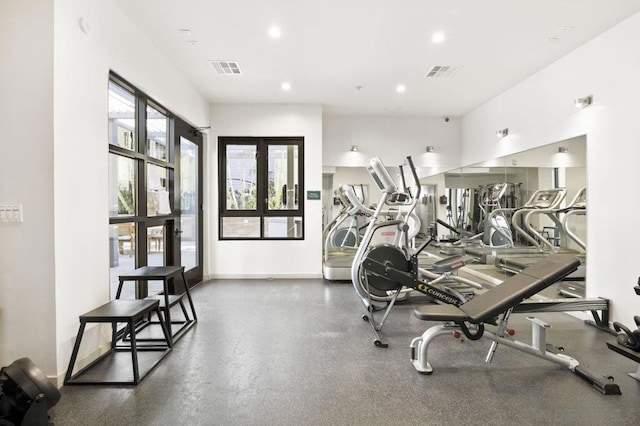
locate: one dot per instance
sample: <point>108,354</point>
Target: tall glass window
<point>140,171</point>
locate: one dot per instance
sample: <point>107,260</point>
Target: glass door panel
<point>189,202</point>
<point>187,232</point>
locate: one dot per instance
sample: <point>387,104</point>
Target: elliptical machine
<point>496,232</point>
<point>386,267</point>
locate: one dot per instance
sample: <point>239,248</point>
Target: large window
<point>261,188</point>
<point>141,168</point>
<point>155,188</point>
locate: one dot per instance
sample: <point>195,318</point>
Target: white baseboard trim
<point>80,364</point>
<point>263,276</point>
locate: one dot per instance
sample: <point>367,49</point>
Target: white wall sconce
<point>583,102</point>
<point>354,148</point>
<point>502,132</point>
<point>430,148</point>
<point>563,149</point>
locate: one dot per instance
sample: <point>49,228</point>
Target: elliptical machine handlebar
<point>356,204</point>
<point>416,179</point>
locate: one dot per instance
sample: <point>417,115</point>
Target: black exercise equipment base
<point>628,353</point>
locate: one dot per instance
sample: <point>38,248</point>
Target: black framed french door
<point>188,199</point>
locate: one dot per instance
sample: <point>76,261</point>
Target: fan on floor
<point>25,394</point>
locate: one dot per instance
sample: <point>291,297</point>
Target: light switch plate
<point>10,213</point>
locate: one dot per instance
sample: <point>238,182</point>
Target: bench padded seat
<point>512,291</point>
<point>440,313</point>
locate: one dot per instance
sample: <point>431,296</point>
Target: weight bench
<point>470,318</point>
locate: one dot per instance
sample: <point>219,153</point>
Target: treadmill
<point>573,284</point>
<point>541,200</point>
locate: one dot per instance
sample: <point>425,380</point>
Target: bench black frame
<point>119,311</point>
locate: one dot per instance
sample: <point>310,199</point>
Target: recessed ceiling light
<point>553,39</point>
<point>437,37</point>
<point>286,86</point>
<point>185,32</point>
<point>566,28</point>
<point>275,31</point>
<point>401,88</point>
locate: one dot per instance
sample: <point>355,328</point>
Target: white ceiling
<point>329,47</point>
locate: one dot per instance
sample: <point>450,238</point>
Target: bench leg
<point>167,318</point>
<point>165,331</point>
<point>74,353</point>
<point>419,347</point>
<point>119,292</point>
<point>184,311</point>
<point>186,289</point>
<point>114,332</point>
<point>134,353</point>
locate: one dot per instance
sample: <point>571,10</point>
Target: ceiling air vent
<point>226,67</point>
<point>443,71</point>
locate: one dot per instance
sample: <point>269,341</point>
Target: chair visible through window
<point>126,238</point>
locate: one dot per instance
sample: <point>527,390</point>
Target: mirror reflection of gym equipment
<point>532,220</point>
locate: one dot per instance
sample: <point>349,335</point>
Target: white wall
<point>392,139</point>
<point>53,80</point>
<point>540,110</point>
<point>27,282</point>
<point>258,259</point>
<point>81,67</point>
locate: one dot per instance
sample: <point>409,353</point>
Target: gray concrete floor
<point>296,352</point>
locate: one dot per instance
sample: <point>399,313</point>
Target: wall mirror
<point>554,174</point>
<point>457,203</point>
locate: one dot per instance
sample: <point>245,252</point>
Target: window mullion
<point>262,184</point>
<point>141,145</point>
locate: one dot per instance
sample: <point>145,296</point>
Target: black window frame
<point>139,154</point>
<point>262,146</point>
